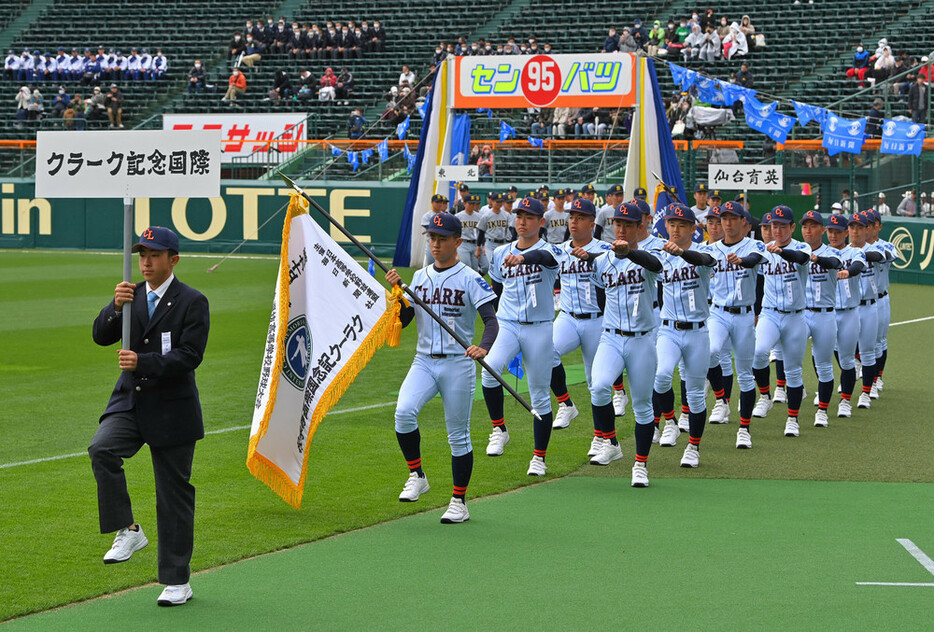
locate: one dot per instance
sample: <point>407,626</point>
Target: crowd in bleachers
<point>885,64</point>
<point>337,40</point>
<point>90,68</point>
<point>482,47</point>
<point>74,110</point>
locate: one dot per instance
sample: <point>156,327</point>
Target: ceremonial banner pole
<point>127,262</point>
<point>412,295</point>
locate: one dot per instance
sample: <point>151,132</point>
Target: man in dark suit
<point>155,402</point>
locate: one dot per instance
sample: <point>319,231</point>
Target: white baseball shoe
<point>791,427</point>
<point>691,456</point>
<point>537,466</point>
<point>175,595</point>
<point>640,475</point>
<point>498,440</point>
<point>564,416</point>
<point>126,543</point>
<point>656,436</point>
<point>845,409</point>
<point>864,401</point>
<point>608,454</point>
<point>780,396</point>
<point>720,413</point>
<point>620,399</point>
<point>874,391</point>
<point>763,406</point>
<point>670,434</point>
<point>456,512</point>
<point>820,418</point>
<point>595,446</point>
<point>880,384</point>
<point>414,487</point>
<point>684,423</point>
<point>743,439</point>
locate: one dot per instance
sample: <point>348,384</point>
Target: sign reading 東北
<point>521,81</point>
<point>746,177</point>
<point>146,164</point>
<point>457,173</point>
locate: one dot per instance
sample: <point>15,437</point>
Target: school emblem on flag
<point>297,352</point>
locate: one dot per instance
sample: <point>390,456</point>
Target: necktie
<point>151,299</point>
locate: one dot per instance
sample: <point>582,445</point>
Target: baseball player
<point>820,301</point>
<point>720,414</point>
<point>847,300</point>
<point>490,196</point>
<point>588,192</point>
<point>882,304</point>
<point>732,317</point>
<point>556,225</point>
<point>463,191</point>
<point>685,280</point>
<point>495,228</point>
<point>557,200</point>
<point>525,313</point>
<point>628,276</point>
<point>457,294</point>
<point>604,221</point>
<point>469,252</point>
<point>867,311</point>
<point>439,204</point>
<point>701,207</point>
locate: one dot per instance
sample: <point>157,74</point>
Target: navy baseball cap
<point>640,193</point>
<point>782,214</point>
<point>813,216</point>
<point>513,189</point>
<point>767,218</point>
<point>732,208</point>
<point>499,197</point>
<point>463,187</point>
<point>874,216</point>
<point>157,238</point>
<point>859,218</point>
<point>559,193</point>
<point>837,222</point>
<point>530,205</point>
<point>713,211</point>
<point>716,194</point>
<point>437,197</point>
<point>534,194</point>
<point>628,211</point>
<point>568,191</point>
<point>741,197</point>
<point>677,210</point>
<point>473,198</point>
<point>584,207</point>
<point>544,187</point>
<point>444,224</point>
<point>642,205</point>
<point>700,188</point>
<point>616,189</point>
<point>588,188</point>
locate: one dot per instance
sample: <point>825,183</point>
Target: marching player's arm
<point>645,259</point>
<point>760,293</point>
<point>827,263</point>
<point>749,261</point>
<point>490,331</point>
<point>874,255</point>
<point>597,231</point>
<point>794,256</point>
<point>567,234</point>
<point>856,267</point>
<point>407,312</point>
<point>497,288</point>
<point>481,237</point>
<point>513,235</point>
<point>698,258</point>
<point>537,257</point>
<point>601,299</point>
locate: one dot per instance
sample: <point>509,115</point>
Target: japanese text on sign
<point>245,134</point>
<point>746,177</point>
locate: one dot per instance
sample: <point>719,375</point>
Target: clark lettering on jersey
<point>441,296</point>
<point>626,277</point>
<point>577,266</point>
<point>684,273</point>
<point>774,268</point>
<point>522,270</point>
<point>725,266</point>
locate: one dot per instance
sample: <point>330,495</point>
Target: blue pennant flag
<point>365,155</point>
<point>506,131</point>
<point>422,109</point>
<point>842,134</point>
<point>731,92</point>
<point>536,142</point>
<point>383,149</point>
<point>402,128</point>
<point>489,112</point>
<point>774,124</point>
<point>807,113</point>
<point>335,151</point>
<point>750,102</point>
<point>371,268</point>
<point>353,160</point>
<point>409,158</point>
<point>683,77</point>
<point>902,137</point>
<point>515,367</point>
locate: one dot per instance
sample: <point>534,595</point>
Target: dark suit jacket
<point>161,393</point>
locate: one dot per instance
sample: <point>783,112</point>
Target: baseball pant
<point>455,379</point>
<point>118,438</point>
<point>571,333</point>
<point>429,260</point>
<point>635,354</point>
<point>847,335</point>
<point>690,348</point>
<point>884,315</point>
<point>868,333</point>
<point>535,343</point>
<point>822,328</point>
<point>467,253</point>
<point>741,331</point>
<point>789,330</point>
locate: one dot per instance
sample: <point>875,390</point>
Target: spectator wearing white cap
<point>850,204</point>
<point>925,205</point>
<point>836,208</point>
<point>881,207</point>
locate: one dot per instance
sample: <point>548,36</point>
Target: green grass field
<point>54,383</point>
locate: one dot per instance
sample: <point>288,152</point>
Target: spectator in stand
<point>639,34</point>
<point>899,86</point>
<point>122,65</point>
<point>874,120</point>
<point>585,121</point>
<point>563,122</point>
<point>344,84</point>
<point>311,42</point>
<point>28,67</point>
<point>461,48</point>
<point>710,46</point>
<point>611,43</point>
<point>359,46</point>
<point>114,102</point>
<point>884,65</point>
<point>724,29</point>
<point>145,65</point>
<point>544,120</point>
<point>280,42</point>
<point>485,162</point>
<point>159,65</point>
<point>926,206</point>
<point>673,40</point>
<point>735,43</point>
<point>327,84</point>
<point>61,64</point>
<point>744,77</point>
<point>860,65</point>
<point>281,87</point>
<point>349,43</point>
<point>627,44</point>
<point>926,70</point>
<point>510,48</point>
<point>296,44</point>
<point>909,205</point>
<point>306,89</point>
<point>23,97</point>
<point>236,86</point>
<point>709,20</point>
<point>11,66</point>
<point>356,124</point>
<point>253,52</point>
<point>109,66</point>
<point>693,43</point>
<point>657,40</point>
<point>132,66</point>
<point>918,100</point>
<point>97,105</point>
<point>849,204</point>
<point>196,78</point>
<point>407,75</point>
<point>60,104</point>
<point>881,207</point>
<point>92,72</point>
<point>366,33</point>
<point>377,38</point>
<point>749,31</point>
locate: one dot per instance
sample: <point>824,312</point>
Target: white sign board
<point>245,134</point>
<point>457,173</point>
<point>746,177</point>
<point>128,164</point>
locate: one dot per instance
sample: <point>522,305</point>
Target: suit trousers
<point>118,438</point>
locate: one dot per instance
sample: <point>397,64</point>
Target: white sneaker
<point>791,427</point>
<point>820,418</point>
<point>564,416</point>
<point>691,456</point>
<point>816,399</point>
<point>608,454</point>
<point>720,413</point>
<point>537,466</point>
<point>415,486</point>
<point>498,440</point>
<point>656,436</point>
<point>864,401</point>
<point>595,446</point>
<point>457,512</point>
<point>743,439</point>
<point>880,384</point>
<point>684,423</point>
<point>620,399</point>
<point>763,406</point>
<point>874,392</point>
<point>175,595</point>
<point>670,434</point>
<point>126,543</point>
<point>640,475</point>
<point>845,409</point>
<point>780,395</point>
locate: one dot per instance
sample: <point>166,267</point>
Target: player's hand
<point>673,249</point>
<point>513,260</point>
<point>843,274</point>
<point>580,253</point>
<point>123,293</point>
<point>393,278</point>
<point>621,247</point>
<point>813,258</point>
<point>478,255</point>
<point>734,259</point>
<point>475,352</point>
<point>773,248</point>
<point>128,359</point>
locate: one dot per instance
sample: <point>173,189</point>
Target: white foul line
<point>916,553</point>
<point>891,584</point>
<point>210,432</point>
<point>908,322</point>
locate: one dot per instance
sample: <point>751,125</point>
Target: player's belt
<point>884,294</point>
<point>655,305</point>
<point>744,309</point>
<point>469,241</point>
<point>627,334</point>
<point>683,325</point>
<point>820,309</point>
<point>494,241</point>
<point>441,356</point>
<point>786,311</point>
<point>584,316</point>
<point>868,301</point>
<point>844,309</point>
<point>532,322</point>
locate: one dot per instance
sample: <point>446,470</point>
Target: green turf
<point>583,553</point>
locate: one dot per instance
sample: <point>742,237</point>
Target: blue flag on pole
<point>460,146</point>
<point>335,151</point>
<point>807,113</point>
<point>683,77</point>
<point>750,102</point>
<point>506,131</point>
<point>902,137</point>
<point>774,124</point>
<point>383,149</point>
<point>515,367</point>
<point>353,159</point>
<point>409,158</point>
<point>536,142</point>
<point>842,134</point>
<point>371,268</point>
<point>365,155</point>
<point>402,128</point>
<point>489,112</point>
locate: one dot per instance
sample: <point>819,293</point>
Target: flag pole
<point>412,295</point>
<point>128,203</point>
